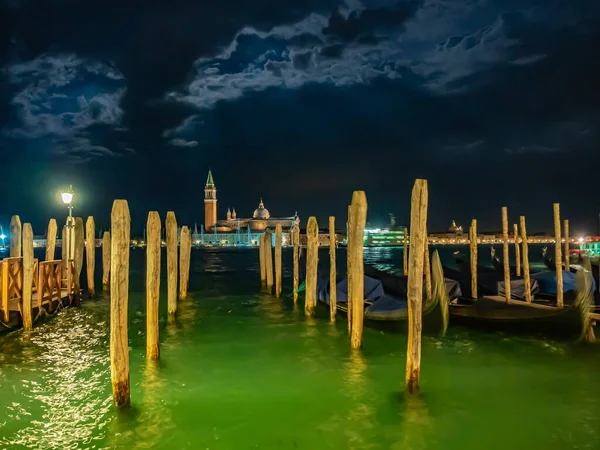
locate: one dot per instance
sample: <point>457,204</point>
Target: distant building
<point>233,230</point>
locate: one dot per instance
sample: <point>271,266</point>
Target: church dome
<point>261,212</point>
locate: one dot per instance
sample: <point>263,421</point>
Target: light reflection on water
<point>242,369</point>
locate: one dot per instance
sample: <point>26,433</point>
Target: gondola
<point>386,298</point>
<point>541,317</point>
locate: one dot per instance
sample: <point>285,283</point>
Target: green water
<point>241,370</point>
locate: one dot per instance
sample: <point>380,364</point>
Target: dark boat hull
<point>493,313</point>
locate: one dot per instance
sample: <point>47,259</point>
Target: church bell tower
<point>210,203</point>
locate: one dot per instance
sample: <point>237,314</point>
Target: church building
<point>239,230</point>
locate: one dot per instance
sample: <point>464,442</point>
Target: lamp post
<point>67,198</point>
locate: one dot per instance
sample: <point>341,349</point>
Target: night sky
<point>495,102</point>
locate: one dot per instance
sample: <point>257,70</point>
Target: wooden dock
<point>51,292</point>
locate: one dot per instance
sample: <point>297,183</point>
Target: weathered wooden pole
<point>119,298</point>
<point>558,256</point>
<point>349,269</point>
<point>263,265</point>
<point>296,242</point>
<point>51,240</point>
<point>418,231</point>
<point>332,270</point>
<point>106,259</point>
<point>27,276</point>
<point>473,260</point>
<point>525,245</point>
<point>90,253</point>
<point>153,227</point>
<point>505,258</point>
<point>517,249</point>
<point>15,237</point>
<point>355,247</point>
<point>78,255</point>
<point>312,260</point>
<point>427,269</point>
<point>171,262</point>
<point>65,251</point>
<point>566,232</point>
<point>269,260</point>
<point>405,252</point>
<point>185,253</point>
<point>278,268</point>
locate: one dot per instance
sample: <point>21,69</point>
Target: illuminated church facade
<point>238,230</point>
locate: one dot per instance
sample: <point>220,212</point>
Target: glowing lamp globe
<point>67,197</point>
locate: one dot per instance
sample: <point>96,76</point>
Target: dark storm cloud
<point>412,88</point>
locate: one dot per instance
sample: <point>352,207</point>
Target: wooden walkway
<point>53,288</point>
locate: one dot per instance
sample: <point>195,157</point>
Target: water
<point>241,370</point>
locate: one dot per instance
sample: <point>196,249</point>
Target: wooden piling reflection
<point>90,253</point>
<point>355,249</point>
<point>473,257</point>
<point>153,249</point>
<point>15,237</point>
<point>106,259</point>
<point>171,226</point>
<point>119,298</point>
<point>312,259</point>
<point>332,270</point>
<point>28,274</point>
<point>185,253</point>
<point>558,256</point>
<point>505,258</point>
<point>418,233</point>
<point>51,240</point>
<point>525,246</point>
<point>278,267</point>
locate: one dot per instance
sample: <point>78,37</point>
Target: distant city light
<point>2,236</point>
<point>581,239</point>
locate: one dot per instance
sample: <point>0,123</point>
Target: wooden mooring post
<point>15,237</point>
<point>119,298</point>
<point>269,260</point>
<point>505,258</point>
<point>473,257</point>
<point>106,259</point>
<point>332,270</point>
<point>525,246</point>
<point>78,255</point>
<point>278,267</point>
<point>51,240</point>
<point>185,254</point>
<point>312,260</point>
<point>153,249</point>
<point>427,269</point>
<point>517,249</point>
<point>349,269</point>
<point>65,252</point>
<point>296,275</point>
<point>263,265</point>
<point>28,274</point>
<point>566,233</point>
<point>355,248</point>
<point>558,256</point>
<point>405,252</point>
<point>418,233</point>
<point>171,226</point>
<point>90,253</point>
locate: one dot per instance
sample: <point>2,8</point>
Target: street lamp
<point>67,198</point>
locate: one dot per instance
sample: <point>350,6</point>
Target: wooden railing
<point>47,284</point>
